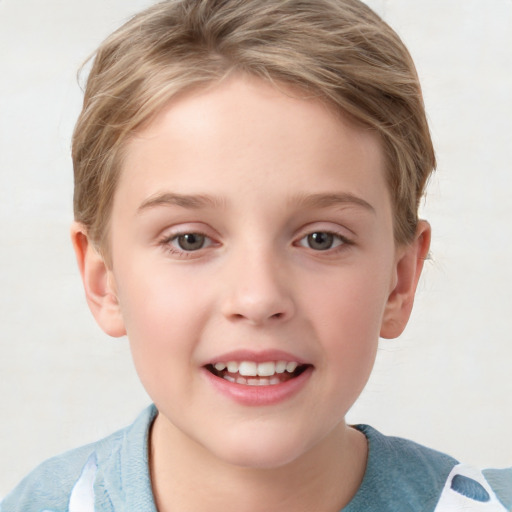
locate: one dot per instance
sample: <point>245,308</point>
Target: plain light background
<point>445,383</point>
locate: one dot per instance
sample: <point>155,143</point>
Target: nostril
<point>258,309</point>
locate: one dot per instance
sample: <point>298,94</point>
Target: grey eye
<point>320,241</point>
<point>190,241</point>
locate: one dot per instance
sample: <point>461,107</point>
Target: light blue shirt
<point>112,475</point>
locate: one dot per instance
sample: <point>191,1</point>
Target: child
<point>247,179</point>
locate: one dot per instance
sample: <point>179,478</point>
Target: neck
<point>186,477</point>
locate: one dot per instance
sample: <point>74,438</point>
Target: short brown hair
<point>339,51</point>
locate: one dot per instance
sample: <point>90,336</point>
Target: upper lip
<point>256,356</point>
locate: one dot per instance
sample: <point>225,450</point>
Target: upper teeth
<point>252,369</point>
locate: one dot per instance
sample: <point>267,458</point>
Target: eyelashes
<point>323,240</point>
<point>188,244</point>
<point>190,241</point>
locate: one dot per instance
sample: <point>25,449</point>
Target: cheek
<point>350,334</point>
<point>348,315</point>
<point>351,303</point>
<point>162,315</point>
<point>154,300</point>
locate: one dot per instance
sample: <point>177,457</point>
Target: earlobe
<point>99,283</point>
<point>408,267</point>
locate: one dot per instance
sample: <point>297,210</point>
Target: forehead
<point>241,130</point>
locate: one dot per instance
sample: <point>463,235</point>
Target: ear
<point>408,267</point>
<point>99,283</point>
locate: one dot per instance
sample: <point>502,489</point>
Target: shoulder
<point>403,475</point>
<point>71,481</point>
<point>49,487</point>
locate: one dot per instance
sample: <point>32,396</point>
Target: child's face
<point>251,226</point>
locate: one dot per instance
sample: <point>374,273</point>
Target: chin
<point>261,450</point>
<point>259,459</point>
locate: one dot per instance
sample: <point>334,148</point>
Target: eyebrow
<point>193,202</point>
<point>332,199</point>
<point>196,202</point>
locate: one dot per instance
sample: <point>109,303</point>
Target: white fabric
<point>82,495</point>
<point>453,501</point>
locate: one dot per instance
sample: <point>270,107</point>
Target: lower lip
<point>259,395</point>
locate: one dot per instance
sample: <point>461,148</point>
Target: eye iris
<point>191,241</point>
<point>320,241</point>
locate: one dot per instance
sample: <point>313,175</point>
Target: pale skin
<point>252,224</point>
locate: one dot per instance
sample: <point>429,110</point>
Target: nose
<point>258,289</point>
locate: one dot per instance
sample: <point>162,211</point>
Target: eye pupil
<point>191,241</point>
<point>320,241</point>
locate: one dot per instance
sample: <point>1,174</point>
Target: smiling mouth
<point>249,373</point>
